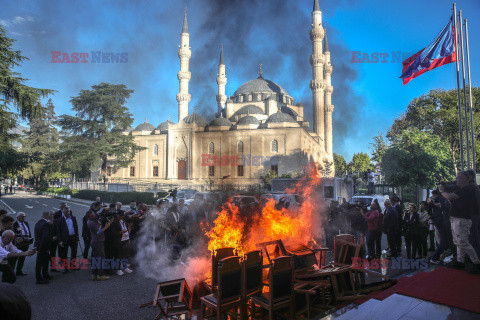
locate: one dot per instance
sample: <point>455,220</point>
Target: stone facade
<point>257,129</point>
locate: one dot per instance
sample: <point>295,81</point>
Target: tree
<point>378,147</point>
<point>340,164</point>
<point>94,135</point>
<point>436,113</point>
<point>267,178</point>
<point>16,100</point>
<point>360,162</point>
<point>417,158</point>
<point>41,145</point>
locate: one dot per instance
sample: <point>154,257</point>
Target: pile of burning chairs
<point>281,281</point>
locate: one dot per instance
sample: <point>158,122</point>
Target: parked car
<point>368,199</point>
<point>186,195</point>
<point>287,200</point>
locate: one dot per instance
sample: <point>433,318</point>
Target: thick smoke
<point>271,33</point>
<point>154,254</point>
<point>275,34</point>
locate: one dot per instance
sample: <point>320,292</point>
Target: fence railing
<point>141,185</point>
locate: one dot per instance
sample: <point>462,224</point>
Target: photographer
<point>23,239</point>
<point>97,243</point>
<point>463,206</point>
<point>372,221</point>
<point>9,251</point>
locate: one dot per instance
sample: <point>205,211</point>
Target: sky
<point>367,96</point>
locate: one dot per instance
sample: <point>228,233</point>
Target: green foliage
<point>360,162</point>
<point>16,100</point>
<point>340,164</point>
<point>59,190</point>
<point>379,147</point>
<point>417,158</point>
<point>41,144</point>
<point>94,134</point>
<point>436,113</point>
<point>328,169</point>
<point>286,175</point>
<point>267,178</point>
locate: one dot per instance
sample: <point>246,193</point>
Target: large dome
<point>145,127</point>
<point>260,85</point>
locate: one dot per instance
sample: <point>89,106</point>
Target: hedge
<point>61,190</point>
<point>123,197</point>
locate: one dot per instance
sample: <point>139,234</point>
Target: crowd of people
<point>447,224</point>
<point>109,232</point>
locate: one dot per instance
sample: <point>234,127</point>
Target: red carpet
<point>455,288</point>
<point>402,283</point>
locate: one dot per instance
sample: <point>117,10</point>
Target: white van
<point>368,199</point>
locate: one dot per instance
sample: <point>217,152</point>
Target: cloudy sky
<point>367,96</point>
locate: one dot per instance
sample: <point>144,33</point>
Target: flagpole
<point>472,127</point>
<point>462,163</point>
<point>462,52</point>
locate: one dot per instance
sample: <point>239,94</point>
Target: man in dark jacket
<point>66,230</point>
<point>23,235</point>
<point>391,228</point>
<point>43,240</point>
<point>440,217</point>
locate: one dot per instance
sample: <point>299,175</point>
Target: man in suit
<point>54,243</point>
<point>66,230</point>
<point>43,240</point>
<point>23,235</point>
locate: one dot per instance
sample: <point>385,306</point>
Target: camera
<point>105,215</point>
<point>23,240</point>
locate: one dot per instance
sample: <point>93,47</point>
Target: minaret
<point>184,53</point>
<point>328,101</point>
<point>317,83</point>
<point>221,81</point>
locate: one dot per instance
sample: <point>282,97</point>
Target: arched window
<point>240,147</point>
<point>274,146</point>
<point>155,149</point>
<point>211,148</point>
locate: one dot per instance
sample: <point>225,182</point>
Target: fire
<point>302,224</point>
<point>228,229</point>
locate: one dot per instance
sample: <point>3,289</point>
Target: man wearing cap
<point>8,251</point>
<point>66,229</point>
<point>22,230</point>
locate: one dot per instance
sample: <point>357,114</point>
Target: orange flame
<point>302,224</point>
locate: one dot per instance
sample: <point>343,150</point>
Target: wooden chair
<point>173,298</point>
<point>346,248</point>
<point>217,255</point>
<point>227,299</point>
<point>252,275</point>
<point>281,293</point>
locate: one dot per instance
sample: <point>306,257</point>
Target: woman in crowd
<point>411,231</point>
<point>372,221</point>
<point>424,225</point>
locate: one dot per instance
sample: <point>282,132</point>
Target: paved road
<point>74,295</point>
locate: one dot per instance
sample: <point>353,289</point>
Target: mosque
<point>258,129</point>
